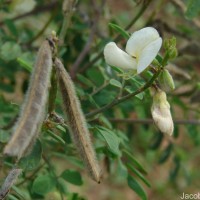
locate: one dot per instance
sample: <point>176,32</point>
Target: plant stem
<point>68,6</point>
<point>52,92</point>
<point>150,121</point>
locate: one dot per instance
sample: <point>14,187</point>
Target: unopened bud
<point>173,53</point>
<point>161,114</point>
<point>166,81</point>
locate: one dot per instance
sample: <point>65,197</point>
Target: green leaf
<point>72,177</point>
<point>111,139</point>
<point>26,60</point>
<point>43,184</point>
<point>85,80</point>
<point>56,137</point>
<point>120,30</point>
<point>115,83</point>
<point>62,186</point>
<point>130,90</point>
<point>117,69</point>
<point>4,136</point>
<point>24,64</point>
<point>134,161</point>
<point>193,9</point>
<point>122,169</point>
<point>174,171</point>
<point>32,160</point>
<point>136,172</point>
<point>10,51</point>
<point>96,76</point>
<point>166,153</point>
<point>135,186</point>
<point>156,141</point>
<point>11,26</point>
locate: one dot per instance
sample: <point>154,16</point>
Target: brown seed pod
<point>32,112</point>
<point>76,121</point>
<point>9,181</point>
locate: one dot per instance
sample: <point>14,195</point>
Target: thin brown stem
<point>150,121</point>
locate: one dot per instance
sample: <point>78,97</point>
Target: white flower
<point>161,114</point>
<point>142,47</point>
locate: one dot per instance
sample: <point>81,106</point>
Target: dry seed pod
<point>77,122</point>
<point>9,181</point>
<point>32,112</point>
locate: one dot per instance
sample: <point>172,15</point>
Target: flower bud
<point>161,114</point>
<point>166,81</point>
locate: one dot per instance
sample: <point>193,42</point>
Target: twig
<point>32,175</point>
<point>43,29</point>
<point>97,13</point>
<point>68,7</point>
<point>83,53</point>
<point>133,21</point>
<point>97,90</point>
<point>119,100</point>
<point>183,8</point>
<point>150,121</point>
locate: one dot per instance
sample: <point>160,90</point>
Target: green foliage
<point>116,102</point>
<point>134,185</point>
<point>119,30</point>
<point>10,51</point>
<point>32,160</point>
<point>72,177</point>
<point>193,9</point>
<point>43,184</point>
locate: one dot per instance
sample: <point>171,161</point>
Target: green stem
<point>52,92</point>
<point>122,99</point>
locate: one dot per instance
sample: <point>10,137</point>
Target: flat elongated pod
<point>32,113</point>
<point>76,121</point>
<point>9,181</point>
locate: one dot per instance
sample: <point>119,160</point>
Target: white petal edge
<point>140,39</point>
<point>116,57</point>
<point>148,54</point>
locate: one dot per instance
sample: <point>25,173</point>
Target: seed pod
<point>32,112</point>
<point>9,181</point>
<point>77,122</point>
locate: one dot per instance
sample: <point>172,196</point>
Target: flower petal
<point>116,57</point>
<point>148,54</point>
<point>140,39</point>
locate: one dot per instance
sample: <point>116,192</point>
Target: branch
<point>150,121</point>
<point>119,100</point>
<point>97,10</point>
<point>68,7</point>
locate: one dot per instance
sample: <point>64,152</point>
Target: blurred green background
<point>131,151</point>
